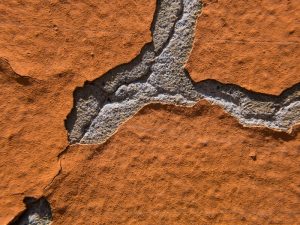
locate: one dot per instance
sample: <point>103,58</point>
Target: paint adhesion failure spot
<point>157,75</point>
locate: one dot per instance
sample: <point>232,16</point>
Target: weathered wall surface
<point>167,164</point>
<point>32,134</point>
<point>43,38</point>
<point>254,44</point>
<point>172,165</point>
<point>56,60</point>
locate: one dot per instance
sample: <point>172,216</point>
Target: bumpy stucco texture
<point>172,165</point>
<point>42,38</point>
<point>167,164</point>
<point>254,44</point>
<point>32,134</point>
<point>57,59</point>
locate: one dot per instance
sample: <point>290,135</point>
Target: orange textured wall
<point>43,38</point>
<point>52,43</point>
<point>254,44</point>
<point>172,165</point>
<point>167,164</point>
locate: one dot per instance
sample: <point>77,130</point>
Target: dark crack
<point>5,67</point>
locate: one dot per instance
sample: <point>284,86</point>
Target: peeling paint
<point>158,75</point>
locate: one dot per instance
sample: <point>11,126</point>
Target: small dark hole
<point>25,81</point>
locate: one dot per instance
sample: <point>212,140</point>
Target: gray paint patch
<point>158,75</point>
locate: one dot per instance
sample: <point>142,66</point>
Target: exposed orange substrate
<point>254,44</point>
<point>173,165</point>
<point>57,59</point>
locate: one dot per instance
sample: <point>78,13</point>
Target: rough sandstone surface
<point>180,165</point>
<point>254,44</point>
<point>167,164</point>
<point>44,38</point>
<point>33,108</point>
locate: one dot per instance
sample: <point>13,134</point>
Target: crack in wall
<point>37,212</point>
<point>157,74</point>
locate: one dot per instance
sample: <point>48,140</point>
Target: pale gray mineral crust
<point>37,212</point>
<point>157,74</point>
